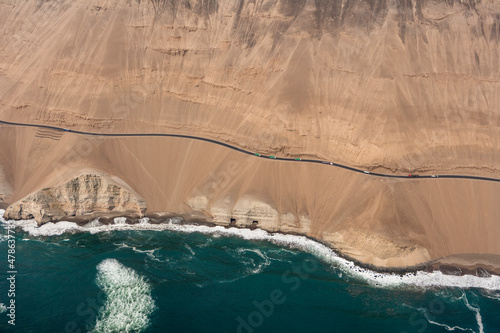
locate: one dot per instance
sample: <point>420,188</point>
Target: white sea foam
<point>448,328</point>
<point>94,223</point>
<point>189,249</point>
<point>207,243</point>
<point>491,294</point>
<point>463,299</point>
<point>149,253</point>
<point>128,299</point>
<point>3,308</point>
<point>252,266</point>
<point>477,313</point>
<point>122,246</point>
<point>277,255</point>
<point>419,279</point>
<point>256,267</point>
<point>120,220</point>
<point>47,229</point>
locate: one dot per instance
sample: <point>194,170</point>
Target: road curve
<point>437,176</point>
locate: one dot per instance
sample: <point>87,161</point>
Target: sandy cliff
<point>85,196</point>
<point>389,85</point>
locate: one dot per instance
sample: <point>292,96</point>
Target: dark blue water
<point>169,281</point>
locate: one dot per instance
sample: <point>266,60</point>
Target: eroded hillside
<point>399,84</point>
<point>389,85</point>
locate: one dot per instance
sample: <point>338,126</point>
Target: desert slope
<point>403,85</point>
<point>389,85</point>
<point>385,222</point>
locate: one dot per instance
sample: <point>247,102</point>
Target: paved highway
<point>249,152</point>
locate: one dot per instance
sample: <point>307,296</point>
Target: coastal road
<point>298,160</point>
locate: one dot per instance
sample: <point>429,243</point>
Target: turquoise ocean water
<point>175,278</point>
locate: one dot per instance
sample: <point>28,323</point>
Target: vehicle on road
<point>413,176</point>
<point>434,176</point>
<point>366,171</point>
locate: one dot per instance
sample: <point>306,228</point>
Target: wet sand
<point>481,265</point>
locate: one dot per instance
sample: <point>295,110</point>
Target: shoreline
<point>453,265</point>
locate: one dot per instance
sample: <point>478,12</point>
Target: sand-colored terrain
<point>387,85</point>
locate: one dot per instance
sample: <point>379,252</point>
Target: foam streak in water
<point>419,279</point>
<point>431,319</point>
<point>491,294</point>
<point>448,328</point>
<point>479,319</point>
<point>257,268</point>
<point>128,299</point>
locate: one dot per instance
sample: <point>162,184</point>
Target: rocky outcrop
<point>401,86</point>
<point>5,189</point>
<point>81,197</point>
<point>250,212</point>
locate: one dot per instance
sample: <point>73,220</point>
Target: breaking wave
<point>128,299</point>
<point>419,279</point>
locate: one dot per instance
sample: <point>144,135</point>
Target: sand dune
<point>387,85</point>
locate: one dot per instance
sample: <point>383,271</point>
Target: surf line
<point>415,279</point>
